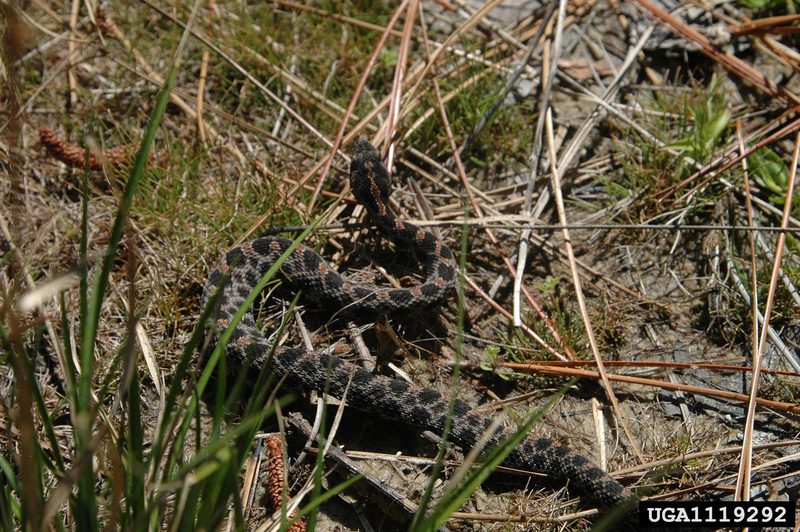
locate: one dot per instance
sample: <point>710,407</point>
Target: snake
<point>235,276</point>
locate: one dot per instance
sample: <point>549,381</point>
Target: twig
<point>562,217</point>
<point>723,394</point>
<point>743,479</point>
<point>549,67</point>
<point>74,156</point>
<point>476,208</point>
<point>203,76</point>
<point>71,77</point>
<point>510,82</point>
<point>571,151</point>
<point>766,25</point>
<point>401,507</point>
<point>276,479</point>
<point>253,465</point>
<point>397,83</point>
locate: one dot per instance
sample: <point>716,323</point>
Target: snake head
<point>369,179</point>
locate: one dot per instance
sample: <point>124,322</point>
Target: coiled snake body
<point>387,398</point>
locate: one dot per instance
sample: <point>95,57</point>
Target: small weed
<point>548,286</point>
<point>709,120</point>
<point>489,362</point>
<point>771,5</point>
<point>690,127</point>
<point>770,172</point>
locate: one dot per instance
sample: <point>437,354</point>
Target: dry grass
<point>638,142</point>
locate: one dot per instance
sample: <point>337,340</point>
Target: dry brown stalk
<point>779,24</point>
<point>276,479</point>
<point>351,106</point>
<point>665,364</point>
<point>203,77</point>
<point>724,394</point>
<point>75,156</point>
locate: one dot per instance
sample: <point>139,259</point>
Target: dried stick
<point>75,156</point>
<point>276,479</point>
<point>476,208</point>
<point>743,479</point>
<point>576,281</point>
<point>583,373</point>
<point>356,93</point>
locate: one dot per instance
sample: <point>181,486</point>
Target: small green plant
<point>770,172</point>
<point>768,5</point>
<point>685,130</point>
<point>548,286</point>
<point>710,118</point>
<point>489,362</point>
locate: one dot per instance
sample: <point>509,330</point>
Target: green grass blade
<point>173,406</point>
<point>92,317</point>
<point>10,507</point>
<point>455,497</point>
<point>225,337</point>
<point>84,504</point>
<point>318,501</point>
<point>86,507</point>
<point>135,455</point>
<point>209,451</point>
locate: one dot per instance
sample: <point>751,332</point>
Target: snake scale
<point>248,349</point>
